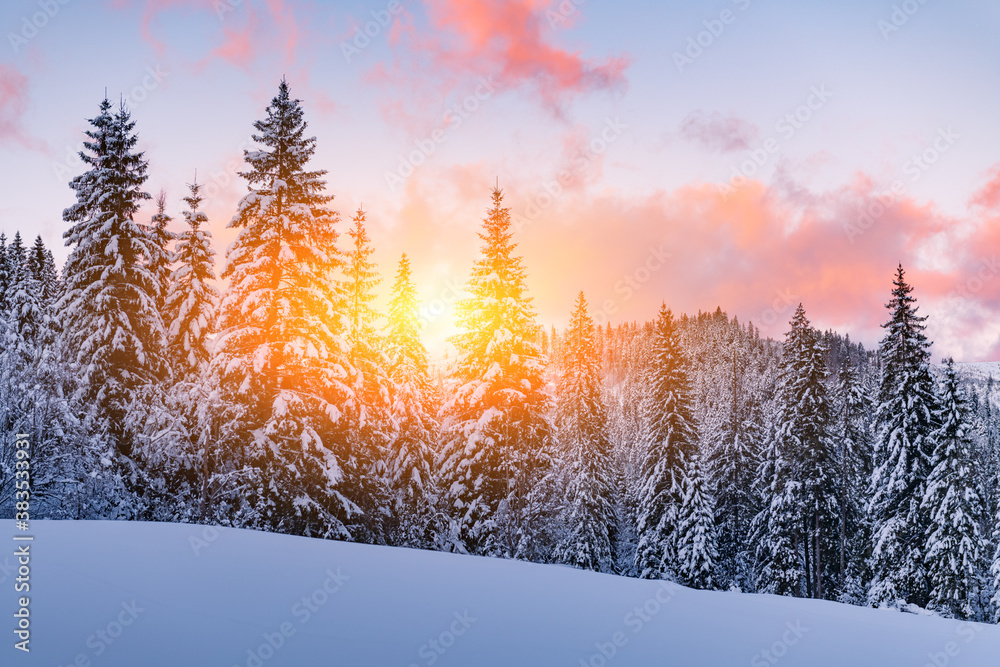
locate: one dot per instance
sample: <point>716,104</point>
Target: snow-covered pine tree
<point>281,358</point>
<point>806,419</point>
<point>159,264</point>
<point>192,298</point>
<point>371,429</point>
<point>33,385</point>
<point>43,267</point>
<point>588,516</point>
<point>497,435</point>
<point>112,328</point>
<point>854,462</point>
<point>775,529</point>
<point>905,423</point>
<point>696,536</point>
<point>955,549</point>
<point>670,435</point>
<point>995,571</point>
<point>732,465</point>
<point>17,259</point>
<point>4,273</point>
<point>411,451</point>
<point>27,314</point>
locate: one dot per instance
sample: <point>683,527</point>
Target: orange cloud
<point>756,253</point>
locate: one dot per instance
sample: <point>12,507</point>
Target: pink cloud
<point>756,253</point>
<point>508,40</point>
<point>13,107</point>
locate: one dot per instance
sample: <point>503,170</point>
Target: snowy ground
<point>140,594</point>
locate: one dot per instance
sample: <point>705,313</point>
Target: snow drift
<point>144,594</point>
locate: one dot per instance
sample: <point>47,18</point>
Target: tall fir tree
<point>371,430</point>
<point>498,437</point>
<point>281,356</point>
<point>112,327</point>
<point>670,436</point>
<point>192,298</point>
<point>955,550</point>
<point>43,268</point>
<point>696,535</point>
<point>160,261</point>
<point>905,423</point>
<point>412,485</point>
<point>806,442</point>
<point>995,572</point>
<point>854,461</point>
<point>5,270</point>
<point>732,469</point>
<point>589,514</point>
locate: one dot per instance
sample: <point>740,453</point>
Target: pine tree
<point>33,386</point>
<point>775,528</point>
<point>192,298</point>
<point>43,269</point>
<point>806,441</point>
<point>582,433</point>
<point>995,571</point>
<point>26,315</point>
<point>733,465</point>
<point>281,359</point>
<point>955,549</point>
<point>160,261</point>
<point>905,422</point>
<point>16,261</point>
<point>411,451</point>
<point>497,434</point>
<point>696,537</point>
<point>854,461</point>
<point>371,432</point>
<point>671,435</point>
<point>4,273</point>
<point>113,331</point>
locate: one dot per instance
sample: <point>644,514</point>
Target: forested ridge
<point>687,447</point>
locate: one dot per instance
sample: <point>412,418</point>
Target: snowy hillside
<point>130,594</point>
<point>979,371</point>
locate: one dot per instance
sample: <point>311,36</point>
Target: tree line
<point>688,447</point>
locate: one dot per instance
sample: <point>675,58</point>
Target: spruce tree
<point>905,424</point>
<point>807,443</point>
<point>854,461</point>
<point>192,298</point>
<point>995,571</point>
<point>498,437</point>
<point>776,527</point>
<point>670,436</point>
<point>43,268</point>
<point>159,263</point>
<point>412,486</point>
<point>5,270</point>
<point>113,332</point>
<point>696,536</point>
<point>589,515</point>
<point>954,547</point>
<point>281,360</point>
<point>732,466</point>
<point>27,315</point>
<point>371,429</point>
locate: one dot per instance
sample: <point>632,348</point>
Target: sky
<point>739,154</point>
